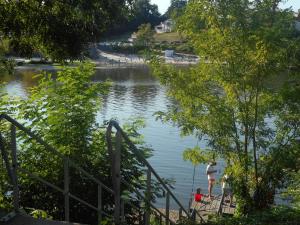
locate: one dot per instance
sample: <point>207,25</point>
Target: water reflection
<point>18,83</point>
<point>136,93</point>
<point>126,75</point>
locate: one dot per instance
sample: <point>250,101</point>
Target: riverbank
<point>123,62</point>
<point>118,58</point>
<point>105,59</point>
<point>103,53</point>
<point>55,67</point>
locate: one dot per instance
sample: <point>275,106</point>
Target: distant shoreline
<point>98,65</point>
<point>115,58</point>
<point>50,67</point>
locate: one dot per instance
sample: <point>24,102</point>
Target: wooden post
<point>16,196</point>
<point>117,177</point>
<point>167,208</point>
<point>148,198</point>
<point>99,204</point>
<point>66,189</point>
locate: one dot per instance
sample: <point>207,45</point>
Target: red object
<point>198,197</point>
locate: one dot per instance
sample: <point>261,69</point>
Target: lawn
<point>167,37</point>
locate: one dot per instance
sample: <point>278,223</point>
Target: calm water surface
<point>137,93</point>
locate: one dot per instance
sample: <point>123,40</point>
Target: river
<point>135,92</point>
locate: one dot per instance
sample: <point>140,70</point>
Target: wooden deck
<point>207,207</point>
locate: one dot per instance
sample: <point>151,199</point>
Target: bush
<point>279,215</point>
<point>184,48</point>
<point>63,112</point>
<point>128,49</point>
<point>276,215</point>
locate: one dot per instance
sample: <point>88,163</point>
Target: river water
<point>137,93</point>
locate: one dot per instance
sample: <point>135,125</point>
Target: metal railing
<point>115,157</point>
<point>15,168</point>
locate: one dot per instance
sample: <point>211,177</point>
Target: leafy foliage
<point>40,214</point>
<point>62,110</point>
<point>5,64</point>
<point>145,12</point>
<point>144,35</point>
<point>176,9</point>
<point>293,190</point>
<point>58,29</point>
<point>274,215</point>
<point>197,156</point>
<point>229,98</point>
<point>141,12</point>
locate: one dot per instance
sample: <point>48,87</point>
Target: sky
<point>164,4</point>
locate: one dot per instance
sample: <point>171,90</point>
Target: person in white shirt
<point>210,171</point>
<point>226,189</point>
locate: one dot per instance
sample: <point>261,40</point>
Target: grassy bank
<point>168,37</point>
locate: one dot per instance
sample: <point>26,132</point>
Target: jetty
<point>220,204</point>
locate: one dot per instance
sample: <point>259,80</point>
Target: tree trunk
<point>255,144</point>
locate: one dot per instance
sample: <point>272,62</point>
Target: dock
<point>206,207</point>
<point>218,205</point>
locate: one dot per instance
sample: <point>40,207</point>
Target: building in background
<point>132,37</point>
<point>165,27</point>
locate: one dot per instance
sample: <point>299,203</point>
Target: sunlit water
<point>136,93</point>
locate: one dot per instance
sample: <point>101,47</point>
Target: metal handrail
<point>52,149</point>
<point>142,159</point>
<point>145,199</point>
<point>71,163</point>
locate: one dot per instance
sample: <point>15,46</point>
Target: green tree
<point>62,110</point>
<point>145,12</point>
<point>176,8</point>
<point>293,190</point>
<point>140,12</point>
<point>59,29</point>
<point>230,98</point>
<point>5,64</point>
<point>198,156</point>
<point>144,35</point>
